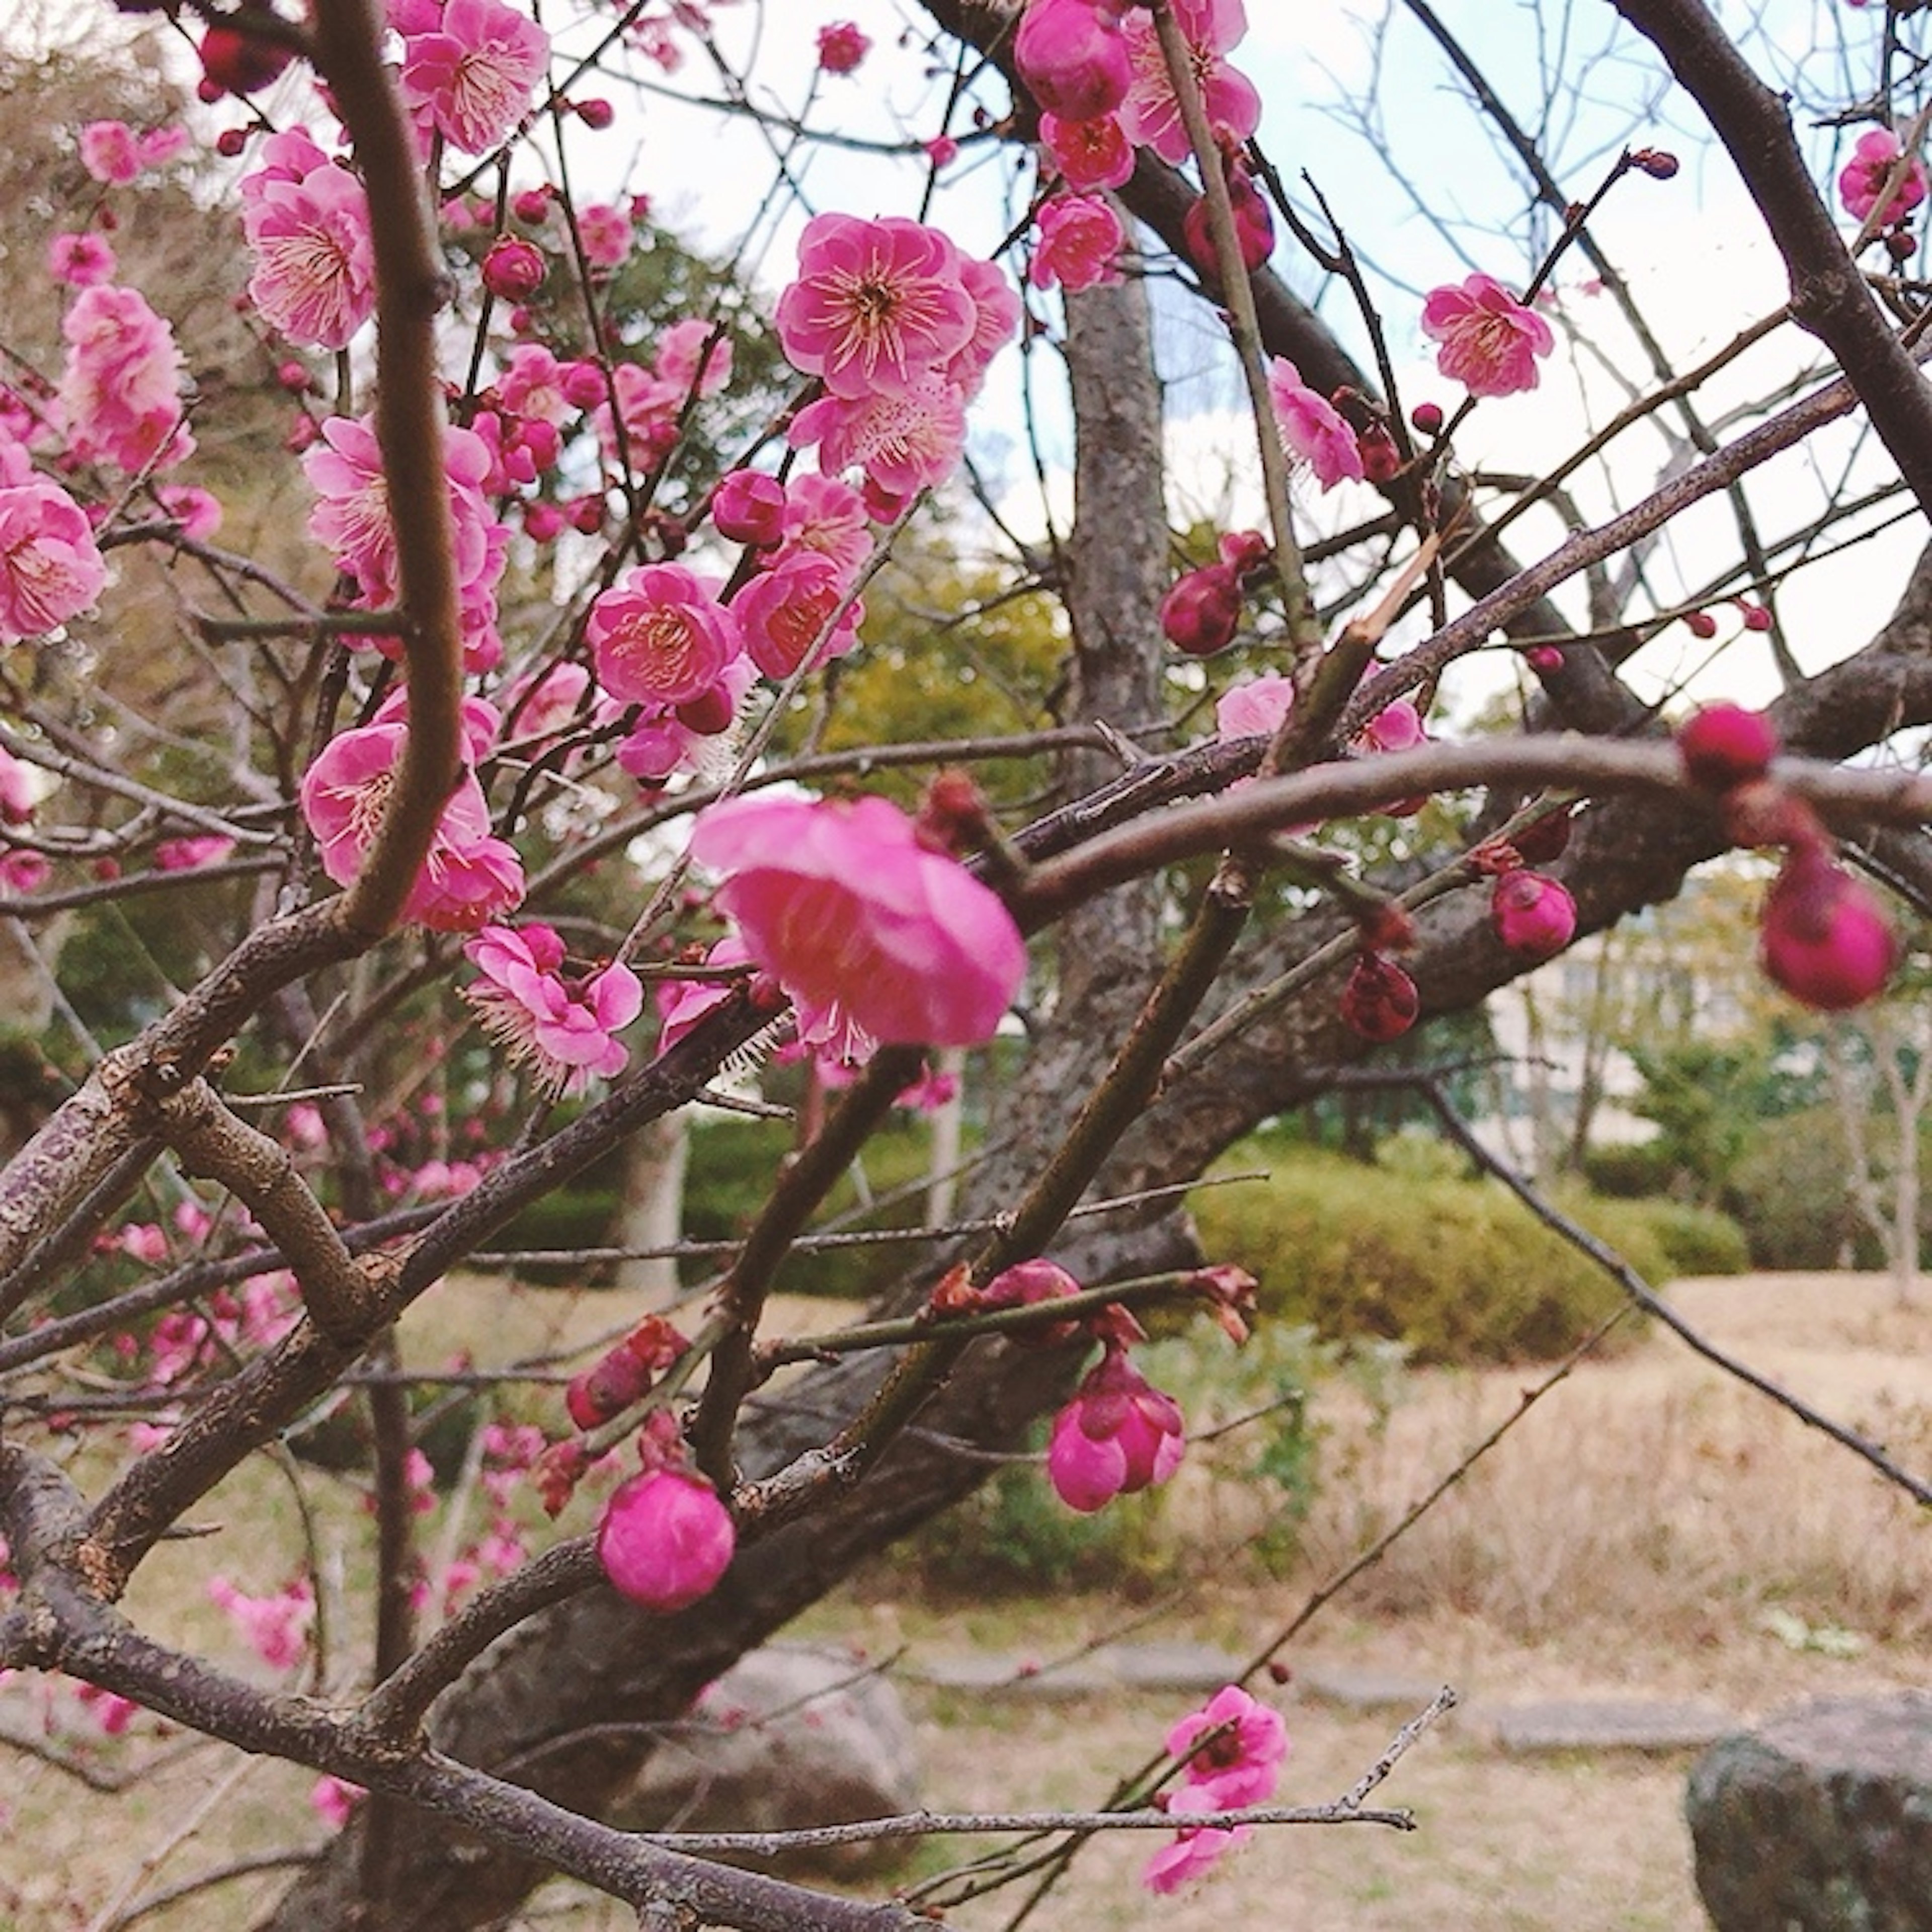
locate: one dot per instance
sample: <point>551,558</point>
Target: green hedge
<point>1455,1269</point>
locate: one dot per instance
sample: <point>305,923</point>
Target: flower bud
<point>1825,939</point>
<point>1201,614</point>
<point>1381,459</point>
<point>1073,59</point>
<point>1380,1001</point>
<point>513,268</point>
<point>596,114</point>
<point>665,1539</point>
<point>1535,917</point>
<point>749,508</point>
<point>1426,418</point>
<point>240,63</point>
<point>1700,624</point>
<point>1724,745</point>
<point>530,205</point>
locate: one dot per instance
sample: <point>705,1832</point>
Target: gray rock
<point>1820,1820</point>
<point>1607,1724</point>
<point>790,1736</point>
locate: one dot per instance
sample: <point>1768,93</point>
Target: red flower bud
<point>1724,745</point>
<point>239,63</point>
<point>1825,939</point>
<point>1380,1001</point>
<point>513,268</point>
<point>1700,624</point>
<point>1534,917</point>
<point>1201,614</point>
<point>1426,418</point>
<point>1381,459</point>
<point>596,115</point>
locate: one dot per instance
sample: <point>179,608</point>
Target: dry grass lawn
<point>1650,1529</point>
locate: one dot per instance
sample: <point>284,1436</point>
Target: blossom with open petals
<point>565,1033</point>
<point>1150,113</point>
<point>120,388</point>
<point>472,78</point>
<point>1862,180</point>
<point>905,439</point>
<point>1232,1747</point>
<point>659,635</point>
<point>1490,341</point>
<point>783,612</point>
<point>315,265</point>
<point>859,922</point>
<point>876,304</point>
<point>1312,428</point>
<point>1080,243</point>
<point>50,566</point>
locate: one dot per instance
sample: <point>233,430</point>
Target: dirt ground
<point>1648,1531</point>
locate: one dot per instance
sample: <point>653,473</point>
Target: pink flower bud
<point>1073,59</point>
<point>710,712</point>
<point>231,142</point>
<point>530,204</point>
<point>513,268</point>
<point>584,385</point>
<point>1023,1285</point>
<point>1118,1434</point>
<point>1534,917</point>
<point>1545,838</point>
<point>1655,162</point>
<point>1380,1001</point>
<point>543,521</point>
<point>1381,459</point>
<point>1201,614</point>
<point>1757,617</point>
<point>1427,418</point>
<point>596,115</point>
<point>1724,745</point>
<point>749,508</point>
<point>1254,228</point>
<point>665,1540</point>
<point>841,47</point>
<point>1701,624</point>
<point>1825,940</point>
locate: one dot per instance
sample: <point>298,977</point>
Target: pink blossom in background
<point>782,613</point>
<point>1396,726</point>
<point>276,1628</point>
<point>1192,1852</point>
<point>1825,938</point>
<point>1233,1748</point>
<point>1490,341</point>
<point>694,358</point>
<point>682,1003</point>
<point>1080,242</point>
<point>905,439</point>
<point>875,304</point>
<point>22,871</point>
<point>565,1033</point>
<point>841,47</point>
<point>550,701</point>
<point>659,635</point>
<point>50,566</point>
<point>332,1799</point>
<point>196,511</point>
<point>1312,428</point>
<point>120,388</point>
<point>17,790</point>
<point>472,79</point>
<point>1091,154</point>
<point>665,1539</point>
<point>185,855</point>
<point>110,153</point>
<point>81,261</point>
<point>1119,1434</point>
<point>314,278</point>
<point>859,922</point>
<point>1150,114</point>
<point>159,145</point>
<point>532,385</point>
<point>1862,180</point>
<point>606,233</point>
<point>292,155</point>
<point>1071,57</point>
<point>111,1711</point>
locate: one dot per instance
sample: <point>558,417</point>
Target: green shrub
<point>1455,1269</point>
<point>1694,1240</point>
<point>1790,1195</point>
<point>1629,1170</point>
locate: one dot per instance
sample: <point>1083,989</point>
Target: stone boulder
<point>1820,1820</point>
<point>790,1736</point>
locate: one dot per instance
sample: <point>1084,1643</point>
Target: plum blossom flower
<point>682,1003</point>
<point>859,922</point>
<point>565,1034</point>
<point>1071,54</point>
<point>607,234</point>
<point>665,1539</point>
<point>332,1800</point>
<point>749,508</point>
<point>1091,154</point>
<point>110,152</point>
<point>1862,180</point>
<point>472,78</point>
<point>875,304</point>
<point>1232,1748</point>
<point>315,266</point>
<point>1254,709</point>
<point>841,47</point>
<point>905,439</point>
<point>996,321</point>
<point>120,388</point>
<point>50,567</point>
<point>659,636</point>
<point>1118,1434</point>
<point>188,855</point>
<point>276,1628</point>
<point>783,612</point>
<point>82,261</point>
<point>1151,115</point>
<point>1080,242</point>
<point>1312,428</point>
<point>1193,1850</point>
<point>824,515</point>
<point>1490,341</point>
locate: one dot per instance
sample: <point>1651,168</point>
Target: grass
<point>1650,1529</point>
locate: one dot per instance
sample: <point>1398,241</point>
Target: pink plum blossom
<point>875,304</point>
<point>783,612</point>
<point>1072,57</point>
<point>50,566</point>
<point>824,514</point>
<point>1254,709</point>
<point>905,439</point>
<point>1232,1748</point>
<point>120,388</point>
<point>565,1033</point>
<point>682,1003</point>
<point>1091,154</point>
<point>472,78</point>
<point>1379,1001</point>
<point>1490,341</point>
<point>83,261</point>
<point>665,1539</point>
<point>332,1799</point>
<point>859,922</point>
<point>276,1628</point>
<point>749,508</point>
<point>1118,1434</point>
<point>109,151</point>
<point>606,233</point>
<point>996,321</point>
<point>1192,1852</point>
<point>659,636</point>
<point>187,855</point>
<point>315,269</point>
<point>17,793</point>
<point>1312,428</point>
<point>1150,114</point>
<point>841,47</point>
<point>1863,179</point>
<point>1080,242</point>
